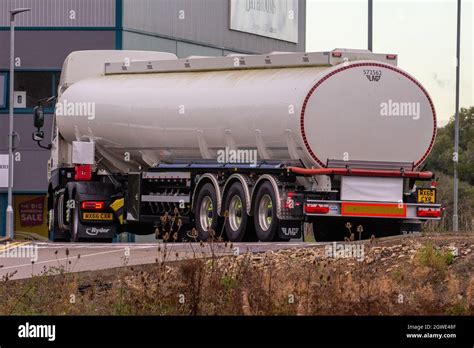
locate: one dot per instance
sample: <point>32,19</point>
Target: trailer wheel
<point>237,219</point>
<point>205,212</point>
<point>55,232</point>
<point>265,214</point>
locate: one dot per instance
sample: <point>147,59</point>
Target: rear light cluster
<point>429,212</point>
<point>316,208</point>
<point>391,56</point>
<point>92,205</point>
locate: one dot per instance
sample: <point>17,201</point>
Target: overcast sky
<point>421,32</point>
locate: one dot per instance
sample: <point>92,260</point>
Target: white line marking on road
<point>102,245</point>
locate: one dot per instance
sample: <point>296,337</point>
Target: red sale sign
<point>31,212</point>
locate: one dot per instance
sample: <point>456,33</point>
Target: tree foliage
<point>440,161</point>
<point>441,157</point>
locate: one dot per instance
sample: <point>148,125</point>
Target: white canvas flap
<point>358,188</point>
<point>83,152</point>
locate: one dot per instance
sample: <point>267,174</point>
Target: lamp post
<point>456,123</point>
<point>9,214</point>
<point>369,26</point>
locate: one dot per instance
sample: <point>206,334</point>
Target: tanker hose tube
<point>361,172</point>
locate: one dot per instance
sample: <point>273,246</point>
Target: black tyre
<point>55,232</point>
<point>265,214</point>
<point>237,219</point>
<point>205,213</point>
<point>53,224</point>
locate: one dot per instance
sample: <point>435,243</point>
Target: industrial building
<point>54,28</point>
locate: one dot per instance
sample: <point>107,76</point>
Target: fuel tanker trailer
<point>241,147</point>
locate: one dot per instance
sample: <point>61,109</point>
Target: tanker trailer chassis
<point>267,201</point>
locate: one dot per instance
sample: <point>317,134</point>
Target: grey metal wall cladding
<point>205,21</point>
<point>186,50</point>
<point>47,49</point>
<point>134,41</point>
<point>57,13</point>
<point>30,171</point>
<point>227,52</point>
<point>24,127</point>
<point>30,174</point>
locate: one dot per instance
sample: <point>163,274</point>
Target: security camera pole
<point>456,124</point>
<point>9,214</point>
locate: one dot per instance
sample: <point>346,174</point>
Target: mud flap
<point>290,229</point>
<point>410,227</point>
<point>97,231</point>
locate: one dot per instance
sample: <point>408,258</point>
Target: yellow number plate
<point>426,196</point>
<point>97,216</point>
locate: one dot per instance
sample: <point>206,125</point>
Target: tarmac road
<point>23,259</point>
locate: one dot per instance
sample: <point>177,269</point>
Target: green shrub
<point>431,257</point>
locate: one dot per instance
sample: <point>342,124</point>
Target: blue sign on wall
<point>3,208</point>
<point>3,90</point>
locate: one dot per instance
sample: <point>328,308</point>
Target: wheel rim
<point>206,213</point>
<point>265,212</point>
<point>235,213</point>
